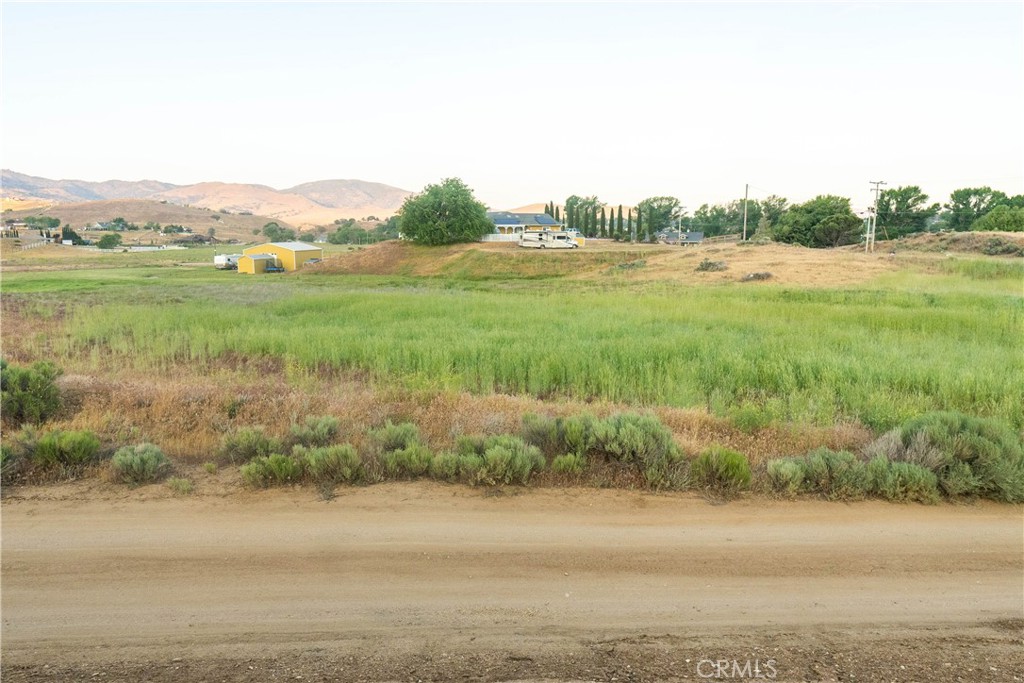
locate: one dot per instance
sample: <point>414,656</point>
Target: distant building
<point>288,256</point>
<point>506,223</point>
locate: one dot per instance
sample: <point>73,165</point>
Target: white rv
<point>548,239</point>
<point>226,261</point>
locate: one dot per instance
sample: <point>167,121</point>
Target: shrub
<point>247,443</point>
<point>541,431</point>
<point>992,450</point>
<point>836,474</point>
<point>786,475</point>
<point>393,437</point>
<point>510,460</point>
<point>579,433</point>
<point>902,481</point>
<point>140,464</point>
<point>29,394</point>
<point>722,469</point>
<point>268,470</point>
<point>445,467</point>
<point>570,463</point>
<point>68,449</point>
<point>410,462</point>
<point>210,467</point>
<point>707,265</point>
<point>180,486</point>
<point>331,464</point>
<point>315,431</point>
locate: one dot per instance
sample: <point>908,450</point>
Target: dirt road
<point>413,582</point>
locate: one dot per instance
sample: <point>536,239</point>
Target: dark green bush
<point>65,449</point>
<point>409,462</point>
<point>28,394</point>
<point>542,431</point>
<point>244,444</point>
<point>393,437</point>
<point>445,467</point>
<point>143,463</point>
<point>315,431</point>
<point>901,481</point>
<point>836,474</point>
<point>643,442</point>
<point>270,470</point>
<point>492,460</point>
<point>722,469</point>
<point>330,464</point>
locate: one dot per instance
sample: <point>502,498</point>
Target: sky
<point>526,102</point>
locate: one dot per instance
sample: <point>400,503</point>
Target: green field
<point>877,354</point>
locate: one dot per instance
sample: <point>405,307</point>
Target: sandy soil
<point>412,582</point>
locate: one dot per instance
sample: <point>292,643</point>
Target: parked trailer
<point>226,261</point>
<point>548,240</point>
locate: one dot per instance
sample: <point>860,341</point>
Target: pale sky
<point>525,102</point>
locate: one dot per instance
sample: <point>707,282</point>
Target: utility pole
<point>746,193</point>
<point>869,242</point>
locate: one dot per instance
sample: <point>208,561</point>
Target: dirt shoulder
<point>431,582</point>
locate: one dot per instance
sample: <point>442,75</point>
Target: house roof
<point>527,219</point>
<point>295,246</point>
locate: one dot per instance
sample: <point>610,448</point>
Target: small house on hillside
<point>287,256</point>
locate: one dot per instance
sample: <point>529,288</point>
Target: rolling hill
<point>315,203</point>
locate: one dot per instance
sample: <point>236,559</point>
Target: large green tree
<point>109,241</point>
<point>968,204</point>
<point>277,233</point>
<point>1003,218</point>
<point>658,212</point>
<point>445,213</point>
<point>825,221</point>
<point>903,210</point>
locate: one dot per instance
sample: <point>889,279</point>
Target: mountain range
<point>316,203</point>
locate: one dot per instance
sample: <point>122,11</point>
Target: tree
<point>772,207</point>
<point>276,233</point>
<point>42,222</point>
<point>604,224</point>
<point>660,212</point>
<point>969,204</point>
<point>67,234</point>
<point>713,220</point>
<point>444,214</point>
<point>618,229</point>
<point>558,217</point>
<point>825,221</point>
<point>211,232</point>
<point>639,235</point>
<point>903,210</point>
<point>1003,218</point>
<point>109,241</point>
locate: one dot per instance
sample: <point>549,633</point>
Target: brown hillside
<point>141,211</point>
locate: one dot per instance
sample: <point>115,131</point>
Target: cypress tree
<point>639,224</point>
<point>619,229</point>
<point>604,224</point>
<point>558,218</point>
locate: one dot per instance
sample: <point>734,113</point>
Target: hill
<point>25,186</point>
<point>141,211</point>
<point>319,202</point>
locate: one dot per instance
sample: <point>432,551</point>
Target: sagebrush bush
<point>409,462</point>
<point>244,444</point>
<point>445,467</point>
<point>68,449</point>
<point>835,474</point>
<point>315,431</point>
<point>722,469</point>
<point>510,460</point>
<point>29,394</point>
<point>142,463</point>
<point>643,442</point>
<point>786,475</point>
<point>393,437</point>
<point>569,463</point>
<point>270,470</point>
<point>944,442</point>
<point>902,481</point>
<point>331,464</point>
<point>541,431</point>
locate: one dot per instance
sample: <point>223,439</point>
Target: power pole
<point>746,193</point>
<point>869,242</point>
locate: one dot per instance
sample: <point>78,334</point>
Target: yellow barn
<point>287,255</point>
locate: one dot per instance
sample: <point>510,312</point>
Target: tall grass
<point>806,355</point>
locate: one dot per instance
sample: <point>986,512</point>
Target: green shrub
<point>510,460</point>
<point>410,462</point>
<point>210,467</point>
<point>180,486</point>
<point>331,464</point>
<point>247,443</point>
<point>750,418</point>
<point>722,469</point>
<point>472,469</point>
<point>642,442</point>
<point>268,470</point>
<point>991,449</point>
<point>570,463</point>
<point>835,474</point>
<point>541,431</point>
<point>902,481</point>
<point>143,463</point>
<point>786,476</point>
<point>579,433</point>
<point>315,431</point>
<point>393,437</point>
<point>28,394</point>
<point>445,467</point>
<point>68,449</point>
